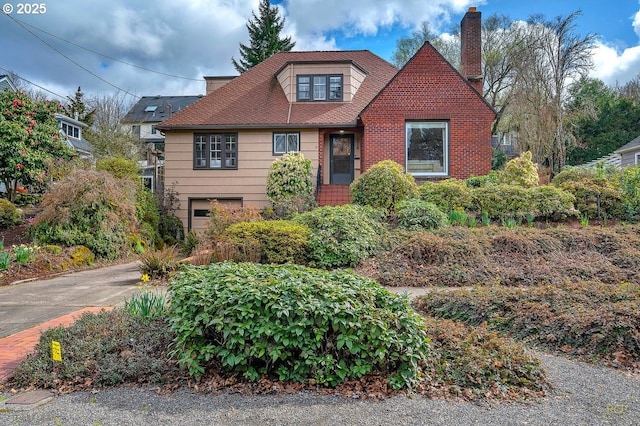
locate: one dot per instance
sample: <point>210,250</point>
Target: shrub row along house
<point>344,110</point>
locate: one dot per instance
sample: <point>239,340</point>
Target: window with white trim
<point>321,87</point>
<point>285,142</point>
<point>71,130</point>
<point>427,148</point>
<point>215,151</point>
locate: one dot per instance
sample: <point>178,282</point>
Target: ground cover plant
<point>594,321</point>
<point>489,255</point>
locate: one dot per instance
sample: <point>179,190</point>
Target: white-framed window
<point>71,130</point>
<point>321,87</point>
<point>637,158</point>
<point>154,130</point>
<point>285,142</point>
<point>506,139</point>
<point>427,148</point>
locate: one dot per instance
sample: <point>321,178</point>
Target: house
<point>6,83</point>
<point>344,110</point>
<point>629,153</point>
<point>142,119</point>
<point>72,129</point>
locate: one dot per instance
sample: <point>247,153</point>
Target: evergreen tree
<point>77,106</point>
<point>264,36</point>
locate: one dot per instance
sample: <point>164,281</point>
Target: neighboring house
<point>72,129</point>
<point>629,153</point>
<point>143,119</point>
<point>344,110</point>
<point>506,143</point>
<point>626,155</point>
<point>6,83</point>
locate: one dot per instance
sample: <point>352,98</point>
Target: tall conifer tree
<point>264,37</point>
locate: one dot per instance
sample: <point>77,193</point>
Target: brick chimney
<point>471,48</point>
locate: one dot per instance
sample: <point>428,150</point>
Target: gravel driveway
<point>584,395</point>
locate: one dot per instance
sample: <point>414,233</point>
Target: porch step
<point>333,195</point>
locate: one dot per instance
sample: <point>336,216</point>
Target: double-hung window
<point>320,87</point>
<point>285,142</point>
<point>215,151</point>
<point>427,145</point>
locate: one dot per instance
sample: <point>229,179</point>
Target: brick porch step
<point>333,195</point>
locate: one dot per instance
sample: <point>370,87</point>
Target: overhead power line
<point>109,57</point>
<point>32,83</point>
<point>70,59</point>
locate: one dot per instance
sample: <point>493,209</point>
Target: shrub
<point>88,208</point>
<point>104,350</point>
<point>383,186</point>
<point>448,195</point>
<point>10,215</point>
<point>503,201</point>
<point>342,235</point>
<point>5,260</point>
<point>148,216</point>
<point>80,256</point>
<point>418,214</point>
<point>159,263</point>
<point>170,227</point>
<point>288,207</point>
<point>478,181</point>
<point>520,171</point>
<point>119,167</point>
<point>552,203</point>
<point>289,177</point>
<point>276,241</point>
<point>628,183</point>
<point>595,196</point>
<point>295,323</point>
<point>223,216</point>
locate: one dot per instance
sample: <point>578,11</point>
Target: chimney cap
<point>472,9</point>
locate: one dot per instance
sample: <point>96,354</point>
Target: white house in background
<point>72,130</point>
<point>142,119</point>
<point>630,153</point>
<point>6,83</point>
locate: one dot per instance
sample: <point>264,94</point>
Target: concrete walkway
<point>28,308</point>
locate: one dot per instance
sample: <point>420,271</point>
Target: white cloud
<point>636,23</point>
<point>614,67</point>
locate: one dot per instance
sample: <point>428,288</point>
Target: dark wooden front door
<point>341,159</point>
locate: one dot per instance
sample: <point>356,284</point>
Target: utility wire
<point>70,59</point>
<point>32,83</point>
<point>109,57</point>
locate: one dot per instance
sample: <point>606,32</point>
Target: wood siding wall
<point>247,183</point>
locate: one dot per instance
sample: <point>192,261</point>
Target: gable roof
<point>154,109</point>
<point>429,70</point>
<point>6,83</point>
<point>256,98</point>
<point>631,146</point>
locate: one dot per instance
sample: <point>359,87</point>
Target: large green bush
<point>272,241</point>
<point>10,215</point>
<point>504,201</point>
<point>448,195</point>
<point>289,176</point>
<point>383,186</point>
<point>295,323</point>
<point>595,195</point>
<point>417,214</point>
<point>552,203</point>
<point>628,183</point>
<point>119,167</point>
<point>89,208</point>
<point>342,235</point>
<point>148,216</point>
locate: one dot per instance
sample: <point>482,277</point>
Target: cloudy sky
<point>164,47</point>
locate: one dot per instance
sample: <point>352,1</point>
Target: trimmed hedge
<point>383,186</point>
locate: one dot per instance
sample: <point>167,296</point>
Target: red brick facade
<point>428,88</point>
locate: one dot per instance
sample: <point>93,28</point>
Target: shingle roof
<point>154,109</point>
<point>256,99</point>
<point>629,146</point>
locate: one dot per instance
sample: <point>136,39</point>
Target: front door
<point>341,159</point>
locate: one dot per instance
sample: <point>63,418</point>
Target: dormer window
<point>151,108</point>
<point>71,131</point>
<point>319,88</point>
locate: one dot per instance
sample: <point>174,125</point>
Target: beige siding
<point>352,77</point>
<point>248,183</point>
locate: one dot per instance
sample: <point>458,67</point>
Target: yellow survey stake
<point>56,351</point>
